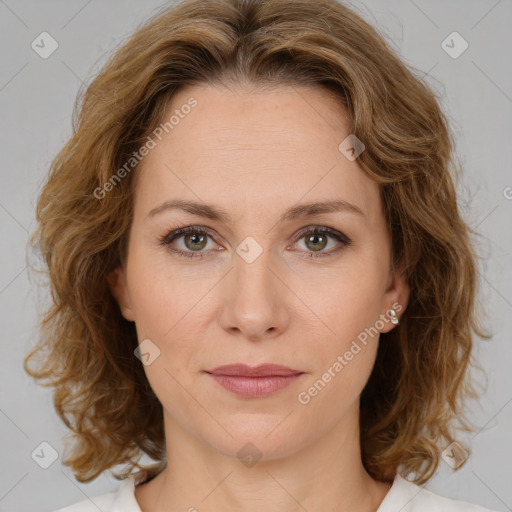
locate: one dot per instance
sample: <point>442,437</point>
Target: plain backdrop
<point>36,101</point>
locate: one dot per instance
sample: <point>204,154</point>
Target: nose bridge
<point>252,274</point>
<point>254,304</point>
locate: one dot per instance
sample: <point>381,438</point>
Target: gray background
<point>36,101</point>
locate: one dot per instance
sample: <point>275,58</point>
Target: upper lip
<point>262,370</point>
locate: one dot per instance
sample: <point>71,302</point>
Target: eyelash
<point>167,239</point>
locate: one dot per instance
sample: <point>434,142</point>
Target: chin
<point>256,437</point>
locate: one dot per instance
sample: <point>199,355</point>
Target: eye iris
<point>312,238</point>
<point>198,243</point>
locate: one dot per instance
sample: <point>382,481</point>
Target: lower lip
<point>254,387</point>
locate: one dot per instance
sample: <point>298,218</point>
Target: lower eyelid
<point>341,244</point>
<point>342,240</point>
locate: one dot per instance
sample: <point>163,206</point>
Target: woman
<point>260,275</point>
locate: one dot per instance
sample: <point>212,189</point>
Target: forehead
<point>248,148</point>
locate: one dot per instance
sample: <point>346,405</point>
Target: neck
<point>327,474</point>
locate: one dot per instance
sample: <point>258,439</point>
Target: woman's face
<point>253,284</point>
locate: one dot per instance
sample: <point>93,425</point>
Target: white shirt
<point>403,496</point>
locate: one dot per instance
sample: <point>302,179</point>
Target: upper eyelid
<point>179,232</point>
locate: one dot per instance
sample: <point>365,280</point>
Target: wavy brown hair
<point>85,348</point>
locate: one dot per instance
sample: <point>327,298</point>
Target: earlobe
<point>119,290</point>
<point>397,298</point>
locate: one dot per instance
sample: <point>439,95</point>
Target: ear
<point>396,297</point>
<point>119,289</point>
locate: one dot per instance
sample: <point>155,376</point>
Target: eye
<point>191,240</point>
<point>316,239</point>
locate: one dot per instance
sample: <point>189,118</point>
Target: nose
<point>255,300</point>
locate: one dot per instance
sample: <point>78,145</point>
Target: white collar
<point>403,496</point>
<point>125,500</point>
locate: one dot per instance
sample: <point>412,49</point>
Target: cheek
<point>334,390</point>
<point>347,299</point>
<point>347,307</point>
<point>345,356</point>
<point>162,294</point>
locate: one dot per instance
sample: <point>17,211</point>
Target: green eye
<point>195,239</point>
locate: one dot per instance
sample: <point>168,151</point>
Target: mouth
<point>254,382</point>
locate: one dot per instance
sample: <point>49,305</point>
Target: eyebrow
<point>295,212</point>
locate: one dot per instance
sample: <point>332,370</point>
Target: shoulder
<point>121,499</point>
<point>406,496</point>
<point>103,502</point>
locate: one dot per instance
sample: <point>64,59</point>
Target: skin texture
<point>255,154</point>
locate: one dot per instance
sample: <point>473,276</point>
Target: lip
<point>263,370</point>
<point>254,382</point>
